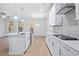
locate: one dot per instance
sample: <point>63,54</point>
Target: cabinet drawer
<point>69,50</point>
<point>65,52</point>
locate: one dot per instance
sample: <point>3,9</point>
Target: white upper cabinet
<point>77,11</point>
<point>58,19</point>
<point>52,15</point>
<point>59,6</point>
<point>54,19</point>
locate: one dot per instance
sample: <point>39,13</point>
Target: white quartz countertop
<point>72,43</point>
<point>12,34</point>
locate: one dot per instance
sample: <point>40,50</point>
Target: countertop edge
<point>12,34</point>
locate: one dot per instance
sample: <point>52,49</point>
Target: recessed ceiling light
<point>37,15</point>
<point>41,9</point>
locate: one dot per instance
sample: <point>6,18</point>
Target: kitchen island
<point>18,42</point>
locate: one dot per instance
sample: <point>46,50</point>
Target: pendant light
<point>22,20</point>
<point>3,14</point>
<point>16,16</point>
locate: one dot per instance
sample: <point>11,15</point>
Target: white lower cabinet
<point>48,42</point>
<point>64,51</point>
<point>58,48</point>
<point>18,44</point>
<point>52,45</point>
<point>27,41</point>
<point>68,51</point>
<point>55,47</point>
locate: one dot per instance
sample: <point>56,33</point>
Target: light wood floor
<point>4,47</point>
<point>38,47</point>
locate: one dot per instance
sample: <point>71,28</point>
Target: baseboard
<point>27,48</point>
<point>48,48</point>
<point>38,35</point>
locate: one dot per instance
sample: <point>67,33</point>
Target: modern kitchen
<point>39,29</point>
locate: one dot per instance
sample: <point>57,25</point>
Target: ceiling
<point>24,9</point>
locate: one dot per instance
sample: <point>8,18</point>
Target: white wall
<point>39,27</point>
<point>2,27</point>
<point>26,24</point>
<point>51,18</point>
<point>14,9</point>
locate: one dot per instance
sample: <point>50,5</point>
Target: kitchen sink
<point>64,37</point>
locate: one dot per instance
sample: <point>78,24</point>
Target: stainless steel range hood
<point>66,9</point>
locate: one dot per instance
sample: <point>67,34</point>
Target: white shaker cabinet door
<point>53,45</point>
<point>27,41</point>
<point>68,51</point>
<point>58,19</point>
<point>49,44</point>
<point>56,46</point>
<point>16,44</point>
<point>77,11</point>
<point>54,19</point>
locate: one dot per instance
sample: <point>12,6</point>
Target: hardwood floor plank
<point>4,46</point>
<point>38,47</point>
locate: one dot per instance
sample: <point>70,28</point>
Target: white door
<point>39,27</point>
<point>37,31</point>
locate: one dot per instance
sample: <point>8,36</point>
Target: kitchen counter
<point>17,33</point>
<point>18,42</point>
<point>74,44</point>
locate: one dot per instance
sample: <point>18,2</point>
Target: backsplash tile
<point>72,31</point>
